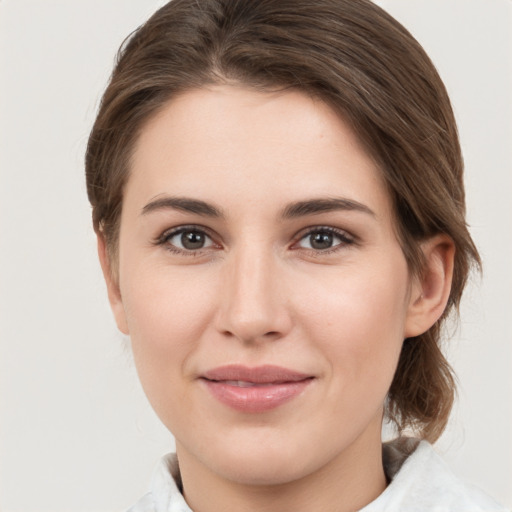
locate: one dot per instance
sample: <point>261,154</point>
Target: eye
<point>323,239</point>
<point>186,239</point>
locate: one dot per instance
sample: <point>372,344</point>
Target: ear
<point>114,293</point>
<point>430,291</point>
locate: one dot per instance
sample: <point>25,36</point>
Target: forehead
<point>237,146</point>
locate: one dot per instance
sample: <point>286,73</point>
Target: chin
<point>265,459</point>
<point>262,469</point>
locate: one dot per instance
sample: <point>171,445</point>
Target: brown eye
<point>187,240</point>
<point>322,239</point>
<point>192,240</point>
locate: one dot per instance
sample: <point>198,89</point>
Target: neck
<point>348,482</point>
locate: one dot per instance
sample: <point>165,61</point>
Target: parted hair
<point>367,67</point>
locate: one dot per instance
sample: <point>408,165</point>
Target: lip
<point>257,389</point>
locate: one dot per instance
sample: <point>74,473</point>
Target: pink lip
<point>255,389</point>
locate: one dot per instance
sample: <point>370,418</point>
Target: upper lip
<point>266,374</point>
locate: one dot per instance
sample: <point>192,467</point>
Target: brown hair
<point>365,65</point>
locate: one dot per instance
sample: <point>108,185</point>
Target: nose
<point>253,301</point>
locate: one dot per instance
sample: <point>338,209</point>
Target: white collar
<point>420,481</point>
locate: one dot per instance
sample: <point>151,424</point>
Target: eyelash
<point>166,236</point>
<point>343,236</point>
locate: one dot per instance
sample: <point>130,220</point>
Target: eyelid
<point>346,238</point>
<point>166,235</point>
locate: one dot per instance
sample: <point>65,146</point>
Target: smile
<point>245,384</point>
<point>255,390</point>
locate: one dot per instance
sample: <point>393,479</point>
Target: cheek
<point>167,302</point>
<point>166,314</point>
<point>358,323</point>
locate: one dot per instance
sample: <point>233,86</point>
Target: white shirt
<point>419,482</point>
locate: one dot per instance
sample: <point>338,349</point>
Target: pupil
<point>321,240</point>
<point>192,240</point>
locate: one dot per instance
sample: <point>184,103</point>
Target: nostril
<point>252,338</point>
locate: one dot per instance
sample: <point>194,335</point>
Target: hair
<point>359,60</point>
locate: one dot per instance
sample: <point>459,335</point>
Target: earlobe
<point>114,293</point>
<point>431,290</point>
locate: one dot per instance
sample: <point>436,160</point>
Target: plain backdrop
<point>76,433</point>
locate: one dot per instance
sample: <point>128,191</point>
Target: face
<point>261,282</point>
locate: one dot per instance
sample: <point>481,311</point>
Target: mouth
<point>257,389</point>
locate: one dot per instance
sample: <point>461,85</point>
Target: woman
<point>277,192</point>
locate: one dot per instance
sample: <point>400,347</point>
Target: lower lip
<point>259,398</point>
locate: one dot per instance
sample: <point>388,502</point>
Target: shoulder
<point>145,504</point>
<point>164,494</point>
<point>421,480</point>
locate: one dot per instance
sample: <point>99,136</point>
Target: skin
<point>261,292</point>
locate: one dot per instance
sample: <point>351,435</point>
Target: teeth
<point>245,384</point>
<point>240,383</point>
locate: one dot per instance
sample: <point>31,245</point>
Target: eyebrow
<point>291,211</point>
<point>321,205</point>
<point>184,204</point>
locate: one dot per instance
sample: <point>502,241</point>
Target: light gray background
<point>76,433</point>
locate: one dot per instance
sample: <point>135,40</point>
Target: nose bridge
<point>252,305</point>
